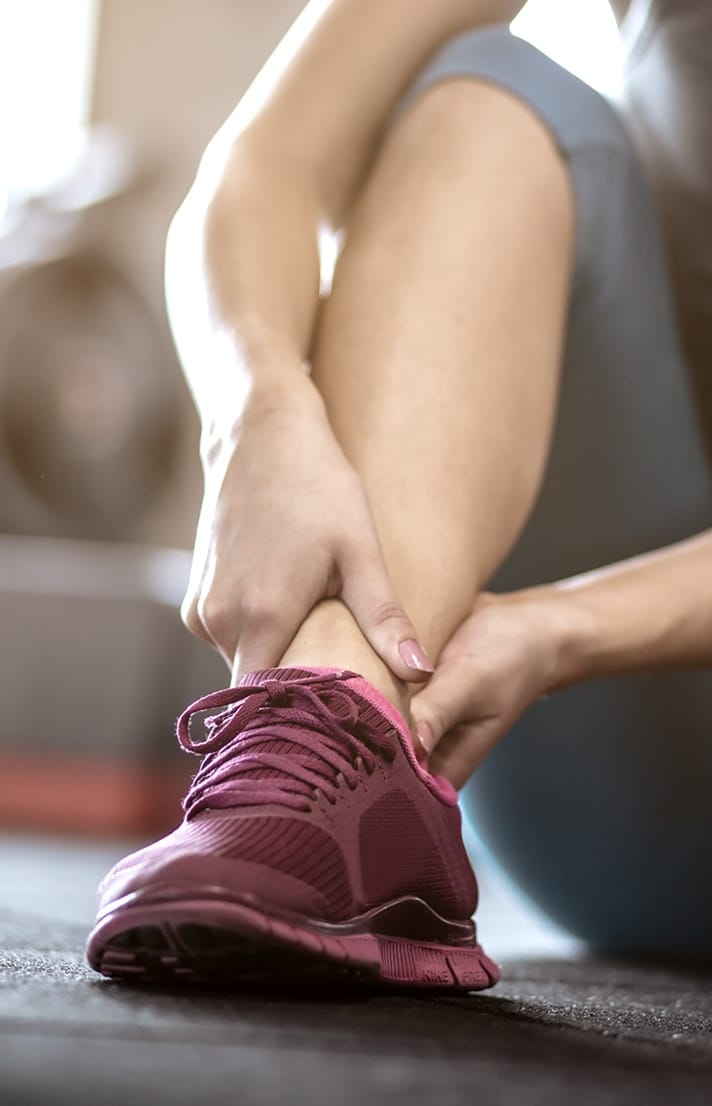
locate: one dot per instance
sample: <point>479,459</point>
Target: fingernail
<point>414,656</point>
<point>425,736</point>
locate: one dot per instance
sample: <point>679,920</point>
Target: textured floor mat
<point>604,1032</point>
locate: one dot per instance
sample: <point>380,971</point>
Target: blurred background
<point>105,108</point>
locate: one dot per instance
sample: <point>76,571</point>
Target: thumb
<point>441,705</point>
<point>371,598</point>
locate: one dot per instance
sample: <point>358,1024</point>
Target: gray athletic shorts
<point>599,801</point>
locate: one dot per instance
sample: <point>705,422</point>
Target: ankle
<point>396,691</point>
<point>332,638</point>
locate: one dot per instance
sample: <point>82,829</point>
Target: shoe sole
<point>209,940</point>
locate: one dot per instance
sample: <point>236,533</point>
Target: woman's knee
<point>574,113</point>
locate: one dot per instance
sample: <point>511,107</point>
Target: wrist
<point>570,634</point>
<point>282,388</point>
<point>275,389</point>
<point>564,628</point>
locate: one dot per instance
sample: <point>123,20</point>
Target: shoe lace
<point>279,742</point>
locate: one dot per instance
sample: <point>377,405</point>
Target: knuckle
<point>216,616</point>
<point>190,617</point>
<point>434,718</point>
<point>388,611</point>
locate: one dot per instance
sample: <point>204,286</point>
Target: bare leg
<point>438,355</point>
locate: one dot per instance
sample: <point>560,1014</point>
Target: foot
<point>314,848</point>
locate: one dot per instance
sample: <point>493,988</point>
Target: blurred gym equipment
<point>96,666</point>
<point>99,466</point>
<point>89,395</point>
<point>95,663</point>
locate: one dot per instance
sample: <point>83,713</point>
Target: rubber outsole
<point>229,944</point>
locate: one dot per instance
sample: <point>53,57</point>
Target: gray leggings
<point>599,801</point>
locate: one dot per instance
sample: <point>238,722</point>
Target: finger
<point>369,594</point>
<point>460,753</point>
<point>265,632</point>
<point>192,620</point>
<point>262,645</point>
<point>190,610</point>
<point>440,706</point>
<point>217,615</point>
<point>190,607</point>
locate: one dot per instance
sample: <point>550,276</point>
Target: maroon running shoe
<point>314,847</point>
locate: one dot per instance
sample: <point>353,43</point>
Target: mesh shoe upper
<point>309,798</point>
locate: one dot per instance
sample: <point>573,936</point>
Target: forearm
<point>651,612</point>
<point>242,280</point>
<point>242,259</point>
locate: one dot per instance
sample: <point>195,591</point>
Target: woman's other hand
<point>500,659</point>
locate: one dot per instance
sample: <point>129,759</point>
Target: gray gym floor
<point>559,1029</point>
